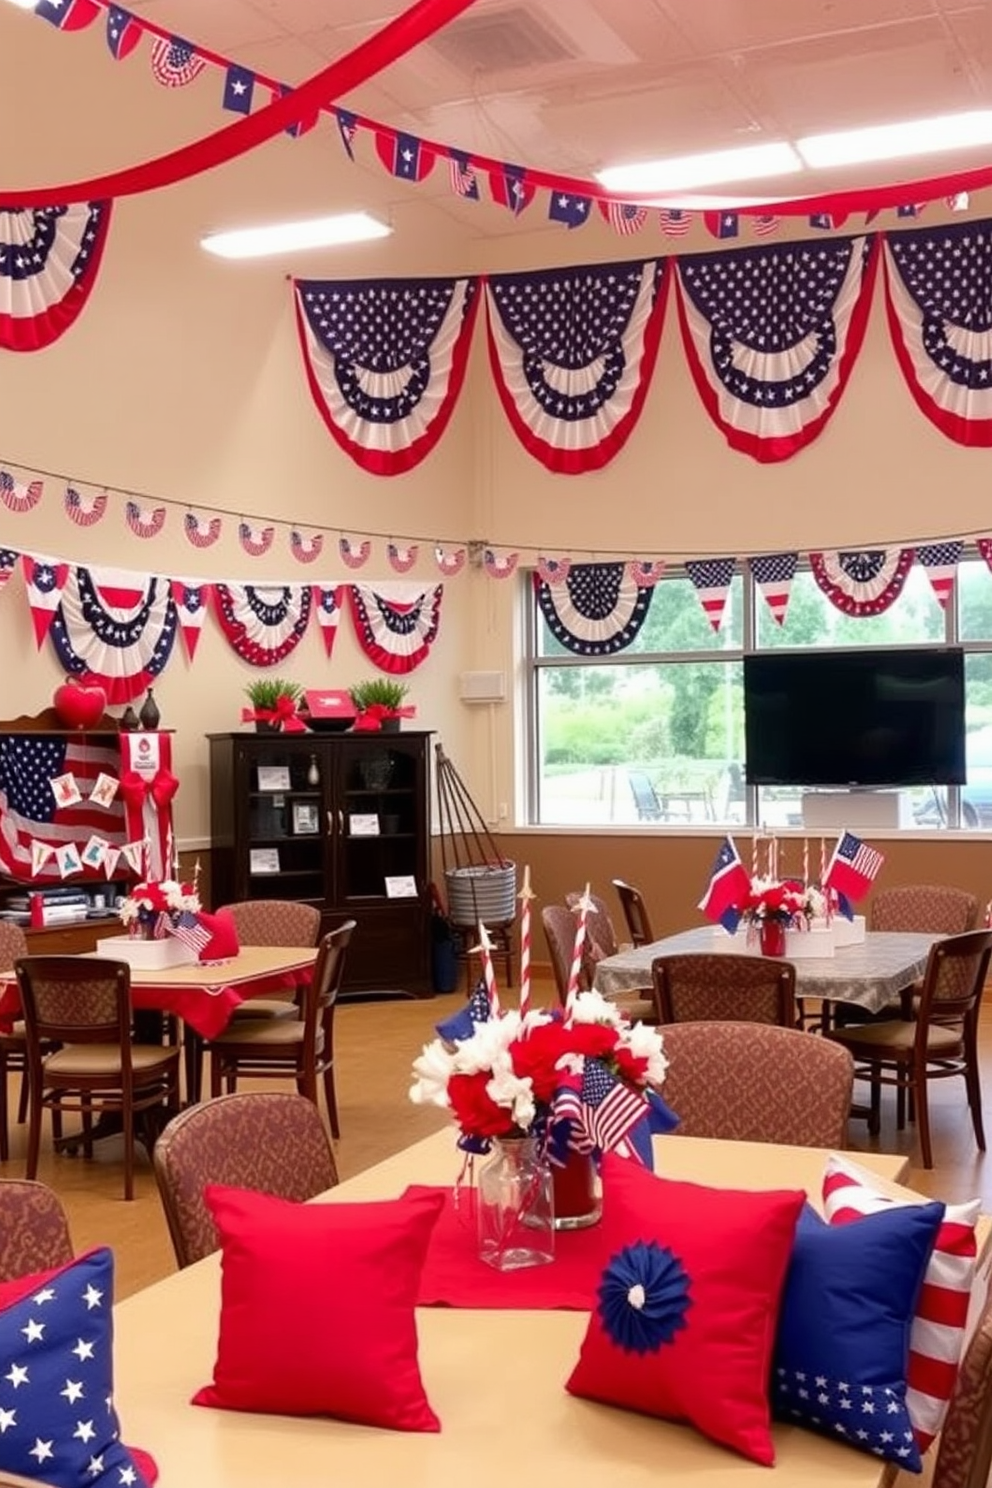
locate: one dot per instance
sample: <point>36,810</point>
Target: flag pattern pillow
<point>937,1337</point>
<point>57,1418</point>
<point>843,1330</point>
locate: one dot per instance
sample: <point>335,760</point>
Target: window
<point>655,733</point>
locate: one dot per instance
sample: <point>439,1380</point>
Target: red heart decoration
<point>79,705</point>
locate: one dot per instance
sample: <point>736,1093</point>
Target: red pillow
<point>317,1308</point>
<point>684,1322</point>
<point>223,940</point>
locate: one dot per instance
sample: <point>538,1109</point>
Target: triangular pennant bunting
<point>773,575</point>
<point>327,601</point>
<point>941,563</point>
<point>45,582</point>
<point>191,601</point>
<point>711,579</point>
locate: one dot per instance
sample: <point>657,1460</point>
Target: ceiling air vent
<point>500,41</point>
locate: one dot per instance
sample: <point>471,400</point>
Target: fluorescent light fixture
<point>686,172</point>
<point>891,141</point>
<point>286,237</point>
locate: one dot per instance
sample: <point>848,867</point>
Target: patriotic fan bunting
<point>623,217</point>
<point>553,570</point>
<point>646,571</point>
<point>8,562</point>
<point>450,560</point>
<point>572,352</point>
<point>402,559</point>
<point>385,361</point>
<point>354,555</point>
<point>49,257</point>
<point>191,602</point>
<point>84,508</point>
<point>711,579</point>
<point>114,628</point>
<point>327,601</point>
<point>862,583</point>
<point>306,547</point>
<point>773,575</point>
<point>44,582</point>
<point>597,611</point>
<point>175,62</point>
<point>396,624</point>
<point>255,540</point>
<point>19,496</point>
<point>144,521</point>
<point>202,532</point>
<point>263,625</point>
<point>771,333</point>
<point>984,545</point>
<point>941,563</point>
<point>499,565</point>
<point>940,320</point>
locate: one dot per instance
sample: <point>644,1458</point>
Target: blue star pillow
<point>842,1347</point>
<point>57,1417</point>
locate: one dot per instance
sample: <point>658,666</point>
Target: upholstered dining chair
<point>13,1044</point>
<point>273,1141</point>
<point>928,909</point>
<point>717,987</point>
<point>559,932</point>
<point>754,1082</point>
<point>273,922</point>
<point>601,936</point>
<point>942,1039</point>
<point>34,1229</point>
<point>964,1448</point>
<point>278,1047</point>
<point>83,1005</point>
<point>635,913</point>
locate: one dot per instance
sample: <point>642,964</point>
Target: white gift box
<point>812,944</point>
<point>848,932</point>
<point>147,955</point>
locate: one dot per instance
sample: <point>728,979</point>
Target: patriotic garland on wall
<point>49,259</point>
<point>771,334</point>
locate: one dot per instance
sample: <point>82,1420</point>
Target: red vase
<point>773,937</point>
<point>577,1194</point>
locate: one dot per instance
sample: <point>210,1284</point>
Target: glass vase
<point>773,937</point>
<point>515,1206</point>
<point>577,1192</point>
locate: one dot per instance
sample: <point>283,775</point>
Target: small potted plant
<point>379,704</point>
<point>274,703</point>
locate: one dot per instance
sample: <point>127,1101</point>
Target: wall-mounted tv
<point>855,718</point>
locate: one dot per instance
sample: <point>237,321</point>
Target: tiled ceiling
<point>572,85</point>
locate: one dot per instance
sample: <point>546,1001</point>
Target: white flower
<point>645,1042</point>
<point>432,1071</point>
<point>487,1048</point>
<point>592,1007</point>
<point>514,1093</point>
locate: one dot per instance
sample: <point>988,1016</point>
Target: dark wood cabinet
<point>341,821</point>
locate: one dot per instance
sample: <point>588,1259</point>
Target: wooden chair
<point>635,913</point>
<point>722,988</point>
<point>83,1005</point>
<point>600,934</point>
<point>274,922</point>
<point>964,1448</point>
<point>271,1141</point>
<point>34,1229</point>
<point>941,1041</point>
<point>753,1082</point>
<point>13,1044</point>
<point>277,1047</point>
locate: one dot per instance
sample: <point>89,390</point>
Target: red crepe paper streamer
<point>399,36</point>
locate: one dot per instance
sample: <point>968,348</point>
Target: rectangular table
<point>496,1379</point>
<point>871,973</point>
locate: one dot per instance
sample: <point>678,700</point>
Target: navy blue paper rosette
<point>644,1297</point>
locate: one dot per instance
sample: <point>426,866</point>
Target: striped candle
<point>488,974</point>
<point>575,970</point>
<point>525,896</point>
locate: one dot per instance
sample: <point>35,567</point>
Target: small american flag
<point>188,929</point>
<point>674,223</point>
<point>202,532</point>
<point>610,1111</point>
<point>84,509</point>
<point>624,217</point>
<point>853,867</point>
<point>175,62</point>
<point>764,226</point>
<point>18,496</point>
<point>142,521</point>
<point>462,175</point>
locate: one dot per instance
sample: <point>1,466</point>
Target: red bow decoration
<point>371,720</point>
<point>283,715</point>
<point>162,787</point>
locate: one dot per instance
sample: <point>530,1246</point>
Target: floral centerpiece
<point>159,907</point>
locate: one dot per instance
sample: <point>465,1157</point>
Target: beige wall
<point>183,380</point>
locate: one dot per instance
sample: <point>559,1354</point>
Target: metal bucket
<point>486,892</point>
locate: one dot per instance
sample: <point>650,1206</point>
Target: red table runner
<point>454,1276</point>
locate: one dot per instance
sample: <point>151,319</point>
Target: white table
<point>496,1379</point>
<point>871,973</point>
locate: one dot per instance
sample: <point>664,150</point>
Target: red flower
<point>594,1040</point>
<point>631,1068</point>
<point>475,1110</point>
<point>538,1053</point>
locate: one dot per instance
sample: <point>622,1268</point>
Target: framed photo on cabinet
<point>306,819</point>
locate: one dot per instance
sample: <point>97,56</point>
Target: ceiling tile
<point>224,26</point>
<point>733,26</point>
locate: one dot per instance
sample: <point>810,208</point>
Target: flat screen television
<point>855,718</point>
